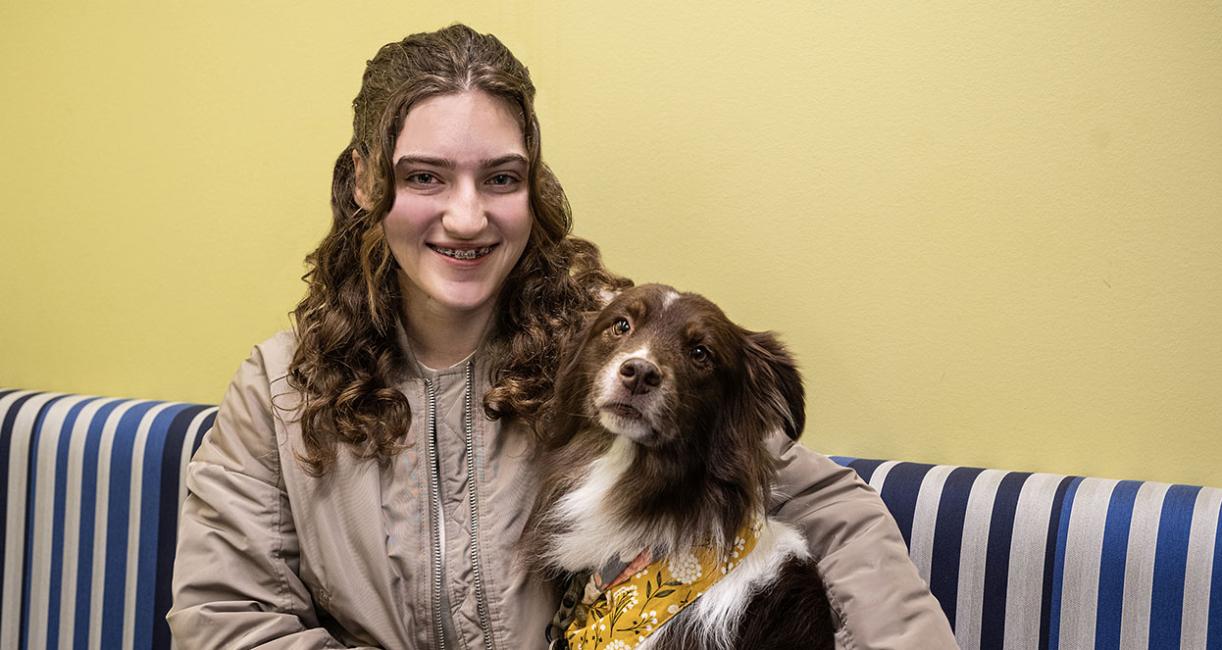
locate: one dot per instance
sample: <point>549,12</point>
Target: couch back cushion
<point>89,507</point>
<point>1022,560</point>
<point>91,487</point>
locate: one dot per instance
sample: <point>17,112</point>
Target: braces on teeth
<point>468,254</point>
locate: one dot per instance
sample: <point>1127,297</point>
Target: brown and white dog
<point>656,439</point>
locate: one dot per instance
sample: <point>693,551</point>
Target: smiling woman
<point>352,492</point>
<point>444,161</point>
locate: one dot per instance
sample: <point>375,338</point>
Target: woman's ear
<point>360,182</point>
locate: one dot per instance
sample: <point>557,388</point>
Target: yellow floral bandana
<point>622,615</point>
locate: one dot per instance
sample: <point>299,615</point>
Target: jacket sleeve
<point>235,581</point>
<point>873,586</point>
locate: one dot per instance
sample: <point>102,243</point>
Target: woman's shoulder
<point>243,438</point>
<point>264,372</point>
<point>275,354</point>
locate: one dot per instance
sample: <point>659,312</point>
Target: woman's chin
<point>461,299</point>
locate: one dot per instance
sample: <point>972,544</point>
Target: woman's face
<point>461,215</point>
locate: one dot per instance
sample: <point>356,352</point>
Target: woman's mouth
<point>463,253</point>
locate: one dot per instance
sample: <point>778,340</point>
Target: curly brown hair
<point>348,364</point>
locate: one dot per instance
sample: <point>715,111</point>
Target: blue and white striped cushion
<point>91,488</point>
<point>1022,560</point>
<point>89,509</point>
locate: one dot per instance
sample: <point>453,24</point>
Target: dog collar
<point>620,613</point>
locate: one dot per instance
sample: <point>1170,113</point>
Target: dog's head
<point>693,395</point>
<point>669,370</point>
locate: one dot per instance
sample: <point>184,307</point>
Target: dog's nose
<point>639,376</point>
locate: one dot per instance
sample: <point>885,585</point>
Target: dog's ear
<point>557,414</point>
<point>773,377</point>
<point>572,345</point>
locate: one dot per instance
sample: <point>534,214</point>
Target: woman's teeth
<point>463,253</point>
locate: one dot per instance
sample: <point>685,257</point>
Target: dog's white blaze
<point>596,535</point>
<point>669,298</point>
<point>718,612</point>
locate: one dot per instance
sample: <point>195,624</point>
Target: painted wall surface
<point>992,234</point>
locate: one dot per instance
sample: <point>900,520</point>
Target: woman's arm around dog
<point>873,586</point>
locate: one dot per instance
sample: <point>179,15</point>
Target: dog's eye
<point>701,354</point>
<point>621,326</point>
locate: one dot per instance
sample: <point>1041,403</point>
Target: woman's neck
<point>441,338</point>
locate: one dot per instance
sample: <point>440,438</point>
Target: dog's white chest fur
<point>594,535</point>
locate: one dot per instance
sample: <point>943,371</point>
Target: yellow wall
<point>993,234</point>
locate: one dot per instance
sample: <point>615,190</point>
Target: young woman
<point>369,473</point>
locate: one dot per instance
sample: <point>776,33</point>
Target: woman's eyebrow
<point>412,159</point>
<point>406,161</point>
<point>505,160</point>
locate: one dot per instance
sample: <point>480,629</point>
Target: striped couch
<point>1021,560</point>
<point>91,487</point>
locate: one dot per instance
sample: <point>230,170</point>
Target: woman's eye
<point>422,178</point>
<point>621,326</point>
<point>701,354</point>
<point>503,179</point>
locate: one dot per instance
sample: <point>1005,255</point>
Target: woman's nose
<point>464,216</point>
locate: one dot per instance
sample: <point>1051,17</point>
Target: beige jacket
<point>271,557</point>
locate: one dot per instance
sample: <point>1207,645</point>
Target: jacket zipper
<point>481,600</point>
<point>435,516</point>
